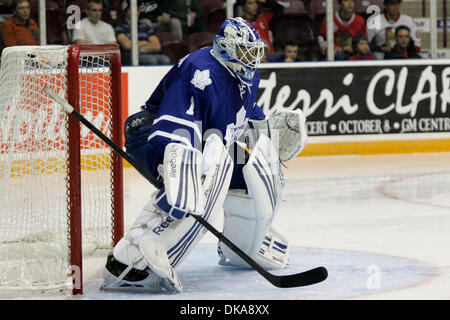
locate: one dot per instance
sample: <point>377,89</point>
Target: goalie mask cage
<point>60,186</point>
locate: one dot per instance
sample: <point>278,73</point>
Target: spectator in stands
<point>188,12</point>
<point>347,24</point>
<point>404,47</point>
<point>361,49</point>
<point>148,44</point>
<point>381,28</point>
<point>20,29</point>
<point>289,53</point>
<point>92,29</point>
<point>264,22</point>
<point>157,13</point>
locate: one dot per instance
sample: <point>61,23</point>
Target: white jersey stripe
<point>182,121</point>
<point>171,136</point>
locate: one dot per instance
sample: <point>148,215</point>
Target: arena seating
<point>293,8</point>
<point>173,46</point>
<point>300,22</point>
<point>198,40</point>
<point>210,5</point>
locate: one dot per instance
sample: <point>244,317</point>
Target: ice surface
<point>351,274</point>
<point>379,224</point>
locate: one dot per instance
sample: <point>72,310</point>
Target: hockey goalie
<point>191,134</point>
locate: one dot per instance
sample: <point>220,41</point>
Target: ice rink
<point>379,224</point>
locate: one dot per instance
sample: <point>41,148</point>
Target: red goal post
<point>61,188</point>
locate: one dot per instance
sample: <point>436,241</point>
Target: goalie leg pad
<point>155,253</point>
<point>216,174</point>
<point>124,278</point>
<point>139,261</point>
<point>182,191</point>
<point>254,129</point>
<point>249,216</point>
<point>272,252</point>
<point>150,224</point>
<point>157,243</point>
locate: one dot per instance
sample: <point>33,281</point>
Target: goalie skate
<point>119,277</point>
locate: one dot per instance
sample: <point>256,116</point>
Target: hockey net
<point>60,186</point>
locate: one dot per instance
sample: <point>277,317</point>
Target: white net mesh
<point>96,94</point>
<point>34,219</point>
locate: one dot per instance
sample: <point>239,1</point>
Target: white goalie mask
<point>240,46</point>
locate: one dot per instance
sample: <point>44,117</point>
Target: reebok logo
<point>163,226</point>
<point>137,122</point>
<point>173,161</point>
<point>134,124</point>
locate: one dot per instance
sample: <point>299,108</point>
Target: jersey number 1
<point>190,111</point>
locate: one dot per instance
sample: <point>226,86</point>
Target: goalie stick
<point>305,278</point>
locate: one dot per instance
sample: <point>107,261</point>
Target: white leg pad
<point>159,241</point>
<point>144,247</point>
<point>248,229</point>
<point>274,251</point>
<point>249,216</point>
<point>217,172</point>
<point>182,181</point>
<point>149,225</point>
<point>155,254</point>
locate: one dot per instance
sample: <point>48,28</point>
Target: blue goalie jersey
<point>198,96</point>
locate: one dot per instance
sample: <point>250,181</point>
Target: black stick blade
<point>302,279</point>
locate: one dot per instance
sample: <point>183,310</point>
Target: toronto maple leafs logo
<point>201,79</point>
<point>234,131</point>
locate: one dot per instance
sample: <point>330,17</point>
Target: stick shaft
<point>143,171</point>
